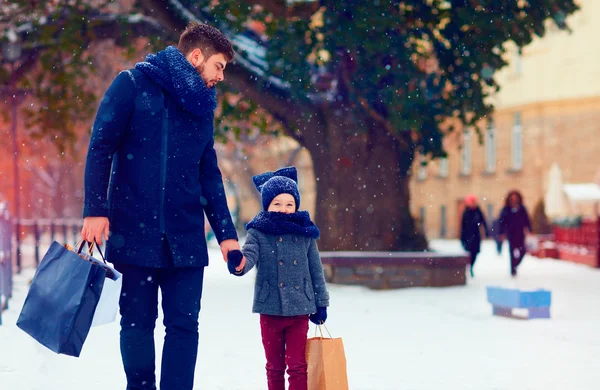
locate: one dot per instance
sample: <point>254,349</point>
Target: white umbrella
<point>555,202</point>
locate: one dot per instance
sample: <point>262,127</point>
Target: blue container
<point>515,298</point>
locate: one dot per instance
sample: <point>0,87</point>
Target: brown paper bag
<point>326,364</point>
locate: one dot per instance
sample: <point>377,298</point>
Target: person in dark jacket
<point>514,222</point>
<point>151,174</point>
<point>473,221</point>
<point>290,286</point>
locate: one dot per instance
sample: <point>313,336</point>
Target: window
<point>490,148</point>
<point>422,218</point>
<point>422,170</point>
<point>443,164</point>
<point>517,143</point>
<point>443,228</point>
<point>465,167</point>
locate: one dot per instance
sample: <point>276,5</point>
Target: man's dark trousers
<point>181,291</point>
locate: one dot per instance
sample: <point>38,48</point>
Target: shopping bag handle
<point>109,272</point>
<point>91,245</point>
<point>321,331</point>
<point>91,250</point>
<point>81,243</point>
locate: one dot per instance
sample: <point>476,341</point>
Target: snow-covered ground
<point>420,338</point>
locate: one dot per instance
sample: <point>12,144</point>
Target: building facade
<point>547,111</point>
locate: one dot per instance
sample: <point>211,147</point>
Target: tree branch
<point>239,75</point>
<point>294,155</point>
<point>120,27</point>
<point>378,118</point>
<point>174,17</point>
<point>109,26</point>
<point>166,22</point>
<point>370,111</point>
<point>30,61</point>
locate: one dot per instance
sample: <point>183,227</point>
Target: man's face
<point>211,69</point>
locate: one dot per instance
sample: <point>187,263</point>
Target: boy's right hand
<point>95,229</point>
<point>234,260</point>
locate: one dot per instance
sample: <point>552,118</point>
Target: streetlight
<point>12,53</point>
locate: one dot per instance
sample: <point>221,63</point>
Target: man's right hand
<point>95,229</point>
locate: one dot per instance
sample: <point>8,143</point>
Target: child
<point>290,287</point>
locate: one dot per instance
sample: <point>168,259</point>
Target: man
<point>153,140</point>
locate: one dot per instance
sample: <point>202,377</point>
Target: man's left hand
<point>230,245</point>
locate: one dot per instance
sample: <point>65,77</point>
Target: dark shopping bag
<point>62,299</point>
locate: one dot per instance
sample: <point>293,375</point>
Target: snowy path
<point>421,339</point>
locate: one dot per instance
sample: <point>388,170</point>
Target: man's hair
<point>206,38</point>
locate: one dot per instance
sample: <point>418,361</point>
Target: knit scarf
<point>281,223</point>
<point>174,73</point>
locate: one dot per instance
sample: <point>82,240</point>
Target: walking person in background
<point>473,221</point>
<point>514,222</point>
<point>290,286</point>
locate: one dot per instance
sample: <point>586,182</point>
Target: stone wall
<point>391,270</point>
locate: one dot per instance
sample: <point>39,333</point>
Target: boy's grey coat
<point>290,278</point>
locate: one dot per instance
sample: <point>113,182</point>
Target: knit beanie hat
<point>282,181</point>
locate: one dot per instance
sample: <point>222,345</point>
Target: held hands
<point>235,262</point>
<point>95,229</point>
<point>319,317</point>
<point>229,245</point>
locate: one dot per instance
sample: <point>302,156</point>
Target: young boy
<point>290,286</point>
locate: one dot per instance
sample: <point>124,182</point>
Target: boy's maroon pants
<point>284,339</point>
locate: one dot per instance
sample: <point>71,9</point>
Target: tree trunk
<point>362,186</point>
<point>362,175</point>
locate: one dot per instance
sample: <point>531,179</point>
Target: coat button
<point>295,262</point>
<point>280,239</point>
<point>295,239</point>
<point>297,287</point>
<point>281,285</point>
<point>280,262</point>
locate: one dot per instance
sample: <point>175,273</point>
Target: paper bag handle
<point>321,331</point>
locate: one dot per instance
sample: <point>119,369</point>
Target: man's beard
<point>200,70</point>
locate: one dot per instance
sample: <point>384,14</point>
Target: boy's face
<point>283,203</point>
